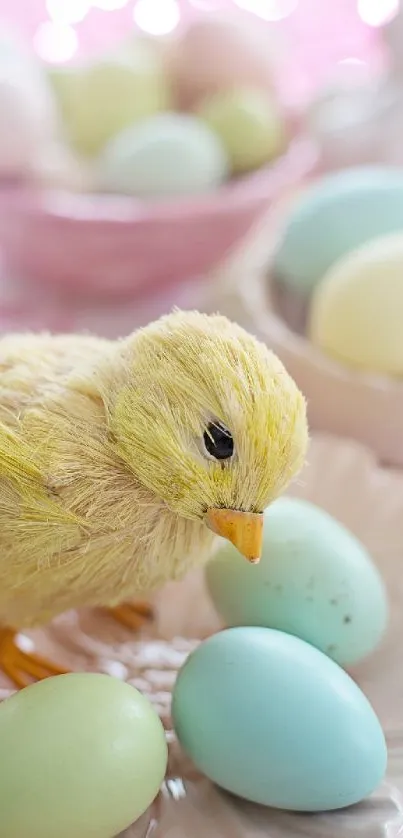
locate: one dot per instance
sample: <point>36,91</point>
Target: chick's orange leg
<point>24,667</point>
<point>132,615</point>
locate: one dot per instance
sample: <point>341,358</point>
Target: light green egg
<point>249,124</point>
<point>100,98</point>
<point>169,154</point>
<point>315,580</point>
<point>81,756</point>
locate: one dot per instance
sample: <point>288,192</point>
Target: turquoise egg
<point>333,216</point>
<point>315,580</point>
<point>166,155</point>
<point>273,720</point>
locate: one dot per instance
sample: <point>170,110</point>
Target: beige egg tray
<point>344,479</point>
<point>341,401</point>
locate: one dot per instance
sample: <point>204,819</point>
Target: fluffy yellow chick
<point>119,461</point>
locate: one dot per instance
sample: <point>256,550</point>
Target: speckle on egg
<point>323,586</point>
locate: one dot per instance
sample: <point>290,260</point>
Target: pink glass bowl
<point>115,245</point>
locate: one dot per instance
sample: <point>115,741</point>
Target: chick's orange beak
<point>243,529</point>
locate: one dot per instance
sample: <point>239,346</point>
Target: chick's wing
<point>31,518</point>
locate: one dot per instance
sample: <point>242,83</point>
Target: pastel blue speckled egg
<point>334,215</point>
<point>166,155</point>
<point>273,720</point>
<point>315,580</point>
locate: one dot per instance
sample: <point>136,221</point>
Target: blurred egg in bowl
<point>137,193</point>
<point>239,53</point>
<point>356,311</point>
<point>339,337</point>
<point>115,244</point>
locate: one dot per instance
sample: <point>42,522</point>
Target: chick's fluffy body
<point>104,480</point>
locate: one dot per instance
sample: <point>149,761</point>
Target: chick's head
<point>210,421</point>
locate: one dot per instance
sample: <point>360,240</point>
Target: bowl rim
<point>91,207</point>
<point>255,299</point>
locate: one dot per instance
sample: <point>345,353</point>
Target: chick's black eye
<point>218,441</point>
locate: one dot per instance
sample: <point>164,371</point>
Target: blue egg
<point>271,719</point>
<point>334,216</point>
<point>314,580</point>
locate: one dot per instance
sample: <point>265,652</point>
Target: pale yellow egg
<point>101,98</point>
<point>249,124</point>
<point>356,311</point>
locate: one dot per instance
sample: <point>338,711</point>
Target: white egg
<point>168,154</point>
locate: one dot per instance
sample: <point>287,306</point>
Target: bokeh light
<point>55,42</point>
<point>157,17</point>
<point>319,33</point>
<point>377,12</point>
<point>67,11</point>
<point>351,62</point>
<point>268,9</point>
<point>205,5</point>
<point>108,5</point>
<point>352,72</point>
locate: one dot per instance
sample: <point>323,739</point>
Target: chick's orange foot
<point>23,668</point>
<point>132,615</point>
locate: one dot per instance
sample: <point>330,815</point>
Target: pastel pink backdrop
<point>314,37</point>
<point>316,34</point>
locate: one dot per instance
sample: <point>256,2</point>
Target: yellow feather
<point>104,480</point>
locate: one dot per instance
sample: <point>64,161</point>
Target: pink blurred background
<point>316,33</point>
<point>312,39</point>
